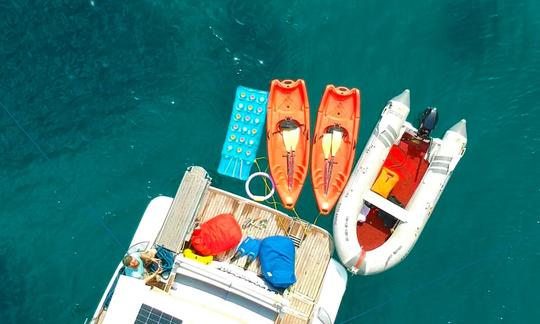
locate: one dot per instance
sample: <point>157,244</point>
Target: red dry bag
<point>216,235</point>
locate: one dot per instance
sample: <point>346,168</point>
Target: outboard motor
<point>428,121</point>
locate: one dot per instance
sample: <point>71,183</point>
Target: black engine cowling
<point>428,121</point>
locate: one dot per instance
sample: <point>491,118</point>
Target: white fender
<point>385,134</point>
<point>332,290</point>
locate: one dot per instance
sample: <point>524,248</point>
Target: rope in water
<point>42,153</point>
<point>36,145</point>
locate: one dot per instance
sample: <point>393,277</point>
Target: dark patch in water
<point>72,72</point>
<point>472,27</point>
<point>12,294</point>
<point>75,73</point>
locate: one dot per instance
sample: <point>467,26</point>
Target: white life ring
<point>255,197</point>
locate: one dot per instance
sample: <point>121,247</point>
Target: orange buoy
<point>288,142</point>
<point>334,144</point>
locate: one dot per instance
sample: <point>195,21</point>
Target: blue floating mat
<point>244,133</point>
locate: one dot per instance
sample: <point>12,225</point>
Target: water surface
<point>104,104</point>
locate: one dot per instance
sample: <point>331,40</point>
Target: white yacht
<point>222,291</point>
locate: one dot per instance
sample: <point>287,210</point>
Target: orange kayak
<point>287,131</point>
<point>334,144</point>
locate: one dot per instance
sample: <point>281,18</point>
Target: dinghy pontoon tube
<point>358,197</point>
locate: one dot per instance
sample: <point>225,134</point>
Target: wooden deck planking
<point>181,215</point>
<point>288,319</point>
<point>312,256</point>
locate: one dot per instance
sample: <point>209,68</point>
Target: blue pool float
<point>244,133</point>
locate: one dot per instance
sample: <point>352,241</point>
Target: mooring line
<point>36,145</point>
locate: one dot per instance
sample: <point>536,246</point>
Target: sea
<point>104,104</point>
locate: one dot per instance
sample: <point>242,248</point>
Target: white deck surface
<point>127,300</point>
<point>205,294</point>
<point>191,301</point>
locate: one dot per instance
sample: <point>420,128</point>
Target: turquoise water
<point>105,103</point>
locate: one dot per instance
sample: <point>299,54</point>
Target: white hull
<point>146,233</point>
<point>443,157</point>
<point>208,293</point>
